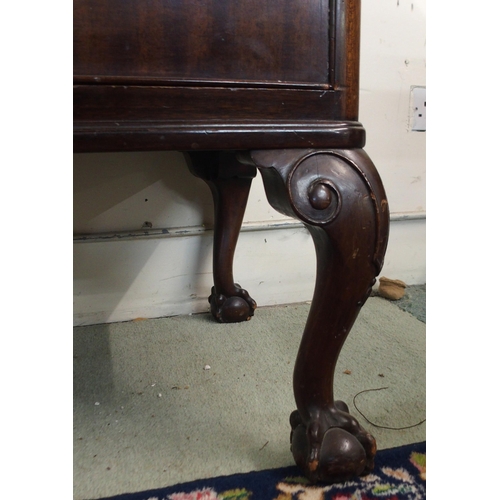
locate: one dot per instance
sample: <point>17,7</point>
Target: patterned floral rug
<point>399,475</point>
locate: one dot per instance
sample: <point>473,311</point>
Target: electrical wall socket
<point>418,109</point>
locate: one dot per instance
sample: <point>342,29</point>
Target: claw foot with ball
<point>332,446</point>
<point>238,306</point>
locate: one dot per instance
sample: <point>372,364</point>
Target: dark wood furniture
<point>240,86</point>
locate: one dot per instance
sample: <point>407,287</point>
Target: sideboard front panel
<point>278,41</point>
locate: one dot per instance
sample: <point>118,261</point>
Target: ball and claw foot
<point>233,309</point>
<point>332,447</point>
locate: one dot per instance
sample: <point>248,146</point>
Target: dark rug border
<point>263,482</point>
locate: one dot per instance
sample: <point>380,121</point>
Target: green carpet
<point>166,401</point>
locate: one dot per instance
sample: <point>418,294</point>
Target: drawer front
<point>276,42</point>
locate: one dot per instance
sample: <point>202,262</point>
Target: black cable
<point>381,426</point>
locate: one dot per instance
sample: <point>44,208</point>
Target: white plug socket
<point>418,111</point>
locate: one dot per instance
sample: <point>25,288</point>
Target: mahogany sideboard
<point>241,86</point>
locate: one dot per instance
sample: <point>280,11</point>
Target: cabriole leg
<point>229,182</point>
<point>340,198</point>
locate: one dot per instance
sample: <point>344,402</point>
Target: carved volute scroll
<point>315,195</point>
<point>340,198</point>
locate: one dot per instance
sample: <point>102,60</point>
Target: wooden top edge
<point>167,82</point>
<point>147,136</point>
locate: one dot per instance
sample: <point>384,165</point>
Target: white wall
<point>121,275</point>
<point>392,61</point>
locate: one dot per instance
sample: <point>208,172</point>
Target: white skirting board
<point>122,278</point>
